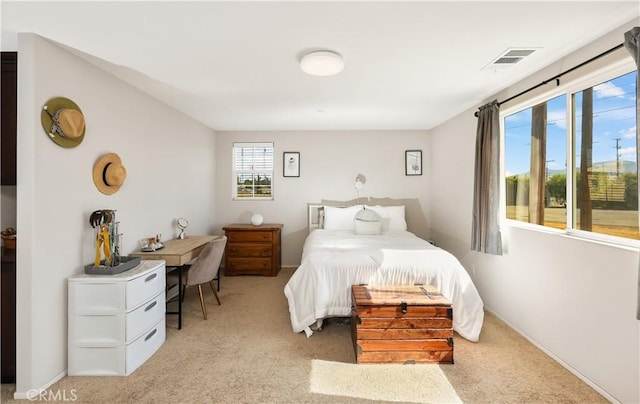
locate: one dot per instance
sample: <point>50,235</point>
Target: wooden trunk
<point>401,324</point>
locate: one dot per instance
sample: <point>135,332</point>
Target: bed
<point>338,253</point>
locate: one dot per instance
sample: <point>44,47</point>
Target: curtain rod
<point>557,77</point>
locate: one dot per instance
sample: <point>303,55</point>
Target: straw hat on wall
<point>63,121</point>
<point>109,173</point>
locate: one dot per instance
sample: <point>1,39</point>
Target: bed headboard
<point>315,213</point>
<point>416,221</point>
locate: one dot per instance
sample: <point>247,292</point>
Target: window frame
<point>234,172</point>
<point>569,87</point>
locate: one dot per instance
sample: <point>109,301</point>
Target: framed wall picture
<point>291,164</point>
<point>413,162</point>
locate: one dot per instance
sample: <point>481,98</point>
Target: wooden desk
<point>176,253</point>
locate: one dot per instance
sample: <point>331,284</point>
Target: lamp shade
<point>322,63</point>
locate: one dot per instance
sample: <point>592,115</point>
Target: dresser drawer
<point>143,288</point>
<point>96,360</point>
<point>92,329</point>
<point>249,250</point>
<point>145,316</point>
<point>97,297</point>
<point>266,236</point>
<point>147,344</point>
<point>248,264</point>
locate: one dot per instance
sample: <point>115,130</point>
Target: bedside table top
<point>250,227</point>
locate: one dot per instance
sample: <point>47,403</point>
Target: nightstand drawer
<point>249,250</point>
<point>265,236</point>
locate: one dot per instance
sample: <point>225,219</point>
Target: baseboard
<point>557,359</point>
<point>289,266</point>
<point>42,391</point>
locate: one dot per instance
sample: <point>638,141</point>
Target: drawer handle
<point>151,306</point>
<point>151,334</point>
<point>150,277</point>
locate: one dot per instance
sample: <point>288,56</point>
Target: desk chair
<point>201,270</point>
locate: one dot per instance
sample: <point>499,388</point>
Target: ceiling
<point>234,65</point>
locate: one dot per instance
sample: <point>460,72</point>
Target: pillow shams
<point>392,217</point>
<point>340,218</point>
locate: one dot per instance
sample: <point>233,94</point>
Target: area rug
<point>406,383</point>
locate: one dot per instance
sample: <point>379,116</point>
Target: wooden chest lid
<point>419,295</point>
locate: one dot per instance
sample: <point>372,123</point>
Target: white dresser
<point>116,322</point>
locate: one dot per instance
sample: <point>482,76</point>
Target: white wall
<point>573,298</point>
<point>56,193</point>
<point>329,163</point>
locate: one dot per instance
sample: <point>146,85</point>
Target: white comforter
<point>333,260</point>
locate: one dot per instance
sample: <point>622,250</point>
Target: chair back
<point>206,266</point>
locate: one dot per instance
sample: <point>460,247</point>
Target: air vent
<point>507,61</point>
<point>510,57</point>
<point>519,52</point>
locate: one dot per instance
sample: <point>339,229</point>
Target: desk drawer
<point>266,236</point>
<point>249,250</point>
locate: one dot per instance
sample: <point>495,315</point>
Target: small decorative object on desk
<point>257,219</point>
<point>182,224</point>
<point>109,240</point>
<point>151,244</point>
<point>9,238</point>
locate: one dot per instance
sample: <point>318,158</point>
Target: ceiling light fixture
<point>322,63</point>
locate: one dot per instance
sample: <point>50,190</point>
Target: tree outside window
<point>601,140</point>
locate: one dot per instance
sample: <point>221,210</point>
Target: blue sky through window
<point>614,128</point>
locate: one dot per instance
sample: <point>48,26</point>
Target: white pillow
<point>392,217</point>
<point>368,222</point>
<point>340,218</point>
<point>368,228</point>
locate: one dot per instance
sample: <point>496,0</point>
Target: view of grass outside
<point>250,186</point>
<point>605,170</point>
<point>253,170</point>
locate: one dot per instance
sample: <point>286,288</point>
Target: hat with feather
<point>63,122</point>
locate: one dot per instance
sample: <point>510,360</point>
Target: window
<point>535,162</point>
<point>253,171</point>
<point>570,161</point>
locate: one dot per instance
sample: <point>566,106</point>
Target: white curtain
<point>486,235</point>
<point>632,43</point>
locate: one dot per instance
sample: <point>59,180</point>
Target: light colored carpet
<point>246,353</point>
<point>405,383</point>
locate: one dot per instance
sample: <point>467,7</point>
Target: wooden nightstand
<point>252,250</point>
